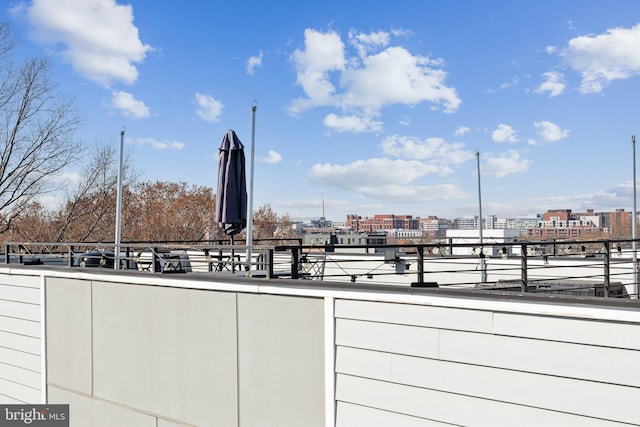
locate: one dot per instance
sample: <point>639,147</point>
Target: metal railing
<point>587,268</point>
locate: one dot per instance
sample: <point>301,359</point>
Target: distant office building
<point>616,223</point>
<point>382,222</point>
<point>563,224</point>
<point>466,223</point>
<point>434,227</point>
<point>353,222</point>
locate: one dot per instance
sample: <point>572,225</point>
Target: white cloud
<point>323,52</point>
<point>97,37</point>
<point>504,133</point>
<point>65,179</point>
<point>461,131</point>
<point>504,164</point>
<point>272,158</point>
<point>371,172</point>
<point>160,145</point>
<point>554,84</point>
<point>514,82</point>
<point>209,109</point>
<point>435,150</point>
<point>549,131</point>
<point>414,194</point>
<point>365,43</point>
<point>253,63</point>
<point>603,58</point>
<point>395,76</point>
<point>129,106</point>
<point>383,178</point>
<point>375,76</point>
<point>353,123</point>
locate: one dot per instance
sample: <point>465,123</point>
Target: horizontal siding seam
<point>471,364</point>
<point>482,398</point>
<point>19,383</point>
<point>417,417</point>
<point>524,337</point>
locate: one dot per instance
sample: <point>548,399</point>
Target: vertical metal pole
<point>524,269</point>
<point>483,265</point>
<point>116,261</point>
<point>421,265</point>
<point>250,204</point>
<point>634,225</point>
<point>607,268</point>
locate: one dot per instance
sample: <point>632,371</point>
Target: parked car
<point>95,258</point>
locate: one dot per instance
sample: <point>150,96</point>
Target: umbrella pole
<point>233,256</point>
<point>250,204</point>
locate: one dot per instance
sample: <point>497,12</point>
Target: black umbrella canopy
<point>231,195</point>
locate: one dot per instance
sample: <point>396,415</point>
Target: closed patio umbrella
<point>231,195</point>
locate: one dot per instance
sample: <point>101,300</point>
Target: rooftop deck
<point>209,348</point>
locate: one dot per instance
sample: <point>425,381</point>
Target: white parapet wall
<point>139,349</point>
<point>22,339</point>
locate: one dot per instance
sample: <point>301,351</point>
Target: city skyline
<point>359,108</point>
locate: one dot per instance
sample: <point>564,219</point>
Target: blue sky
<point>373,107</point>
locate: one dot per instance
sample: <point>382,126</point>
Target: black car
<point>95,258</point>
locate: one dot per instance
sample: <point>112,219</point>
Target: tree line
<point>37,144</point>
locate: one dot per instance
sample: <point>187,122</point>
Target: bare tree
<point>36,128</point>
<point>89,208</point>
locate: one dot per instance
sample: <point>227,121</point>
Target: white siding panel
<point>20,310</point>
<point>349,415</point>
<point>417,315</point>
<point>88,412</point>
<point>20,392</point>
<point>20,294</point>
<point>546,357</point>
<point>611,334</point>
<point>20,342</point>
<point>541,391</point>
<point>19,358</point>
<point>21,375</point>
<point>452,408</point>
<point>417,341</point>
<point>6,400</point>
<point>20,280</point>
<point>20,326</point>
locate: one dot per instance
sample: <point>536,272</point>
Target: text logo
<point>34,415</point>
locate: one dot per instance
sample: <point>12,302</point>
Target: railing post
<point>127,254</point>
<point>295,260</point>
<point>523,267</point>
<point>7,254</point>
<point>70,251</point>
<point>270,263</point>
<point>20,256</point>
<point>421,265</point>
<point>607,268</point>
<point>155,260</point>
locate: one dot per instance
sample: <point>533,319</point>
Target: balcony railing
<point>606,268</point>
